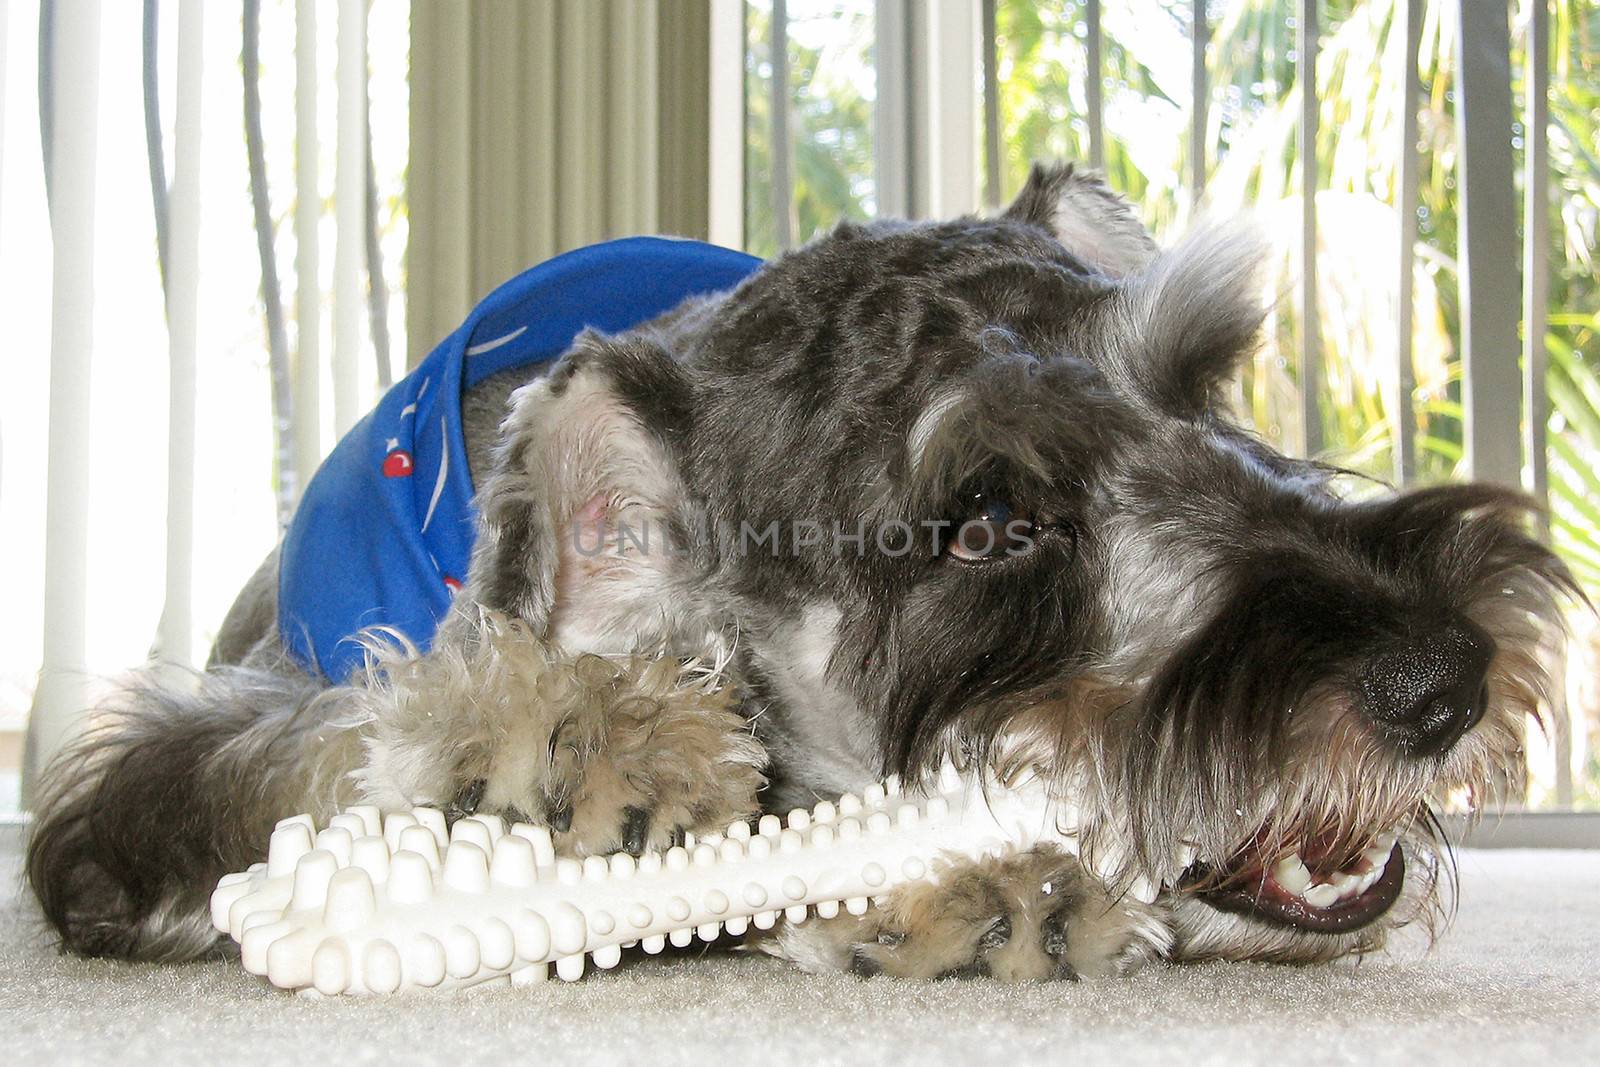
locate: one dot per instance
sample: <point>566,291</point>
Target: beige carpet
<point>1513,981</point>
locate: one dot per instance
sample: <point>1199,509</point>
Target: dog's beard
<point>1292,834</point>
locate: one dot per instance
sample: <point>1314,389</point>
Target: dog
<point>916,491</point>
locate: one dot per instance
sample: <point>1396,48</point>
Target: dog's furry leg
<point>609,752</point>
<point>137,820</point>
<point>1030,915</point>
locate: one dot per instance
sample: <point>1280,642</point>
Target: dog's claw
<point>635,830</point>
<point>1054,941</point>
<point>998,934</point>
<point>465,802</point>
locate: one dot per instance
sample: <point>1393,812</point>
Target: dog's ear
<point>1090,221</point>
<point>1182,324</point>
<point>576,519</point>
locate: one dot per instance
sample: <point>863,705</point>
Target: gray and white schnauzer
<point>1257,689</point>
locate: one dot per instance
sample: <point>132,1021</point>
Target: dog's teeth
<point>1345,883</point>
<point>1377,856</point>
<point>1368,880</point>
<point>1386,841</point>
<point>1321,896</point>
<point>1291,873</point>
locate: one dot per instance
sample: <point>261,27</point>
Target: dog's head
<point>969,489</point>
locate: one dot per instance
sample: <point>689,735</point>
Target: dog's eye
<point>991,529</point>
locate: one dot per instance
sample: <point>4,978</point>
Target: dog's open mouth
<point>1304,890</point>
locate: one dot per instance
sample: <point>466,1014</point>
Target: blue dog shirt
<point>384,531</point>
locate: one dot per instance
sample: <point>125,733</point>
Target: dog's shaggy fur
<point>1242,675</point>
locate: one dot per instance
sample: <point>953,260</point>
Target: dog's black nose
<point>1427,693</point>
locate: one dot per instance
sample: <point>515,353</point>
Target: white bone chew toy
<point>370,907</point>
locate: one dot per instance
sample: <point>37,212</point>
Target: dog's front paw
<point>608,753</point>
<point>1026,916</point>
<point>629,756</point>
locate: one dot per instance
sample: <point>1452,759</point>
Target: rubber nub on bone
<point>290,841</point>
<point>393,824</point>
<point>338,841</point>
<point>461,952</point>
<point>410,878</point>
<point>472,830</point>
<point>466,868</point>
<point>531,935</point>
<point>420,839</point>
<point>351,902</point>
<point>425,961</point>
<point>330,967</point>
<point>513,863</point>
<point>434,820</point>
